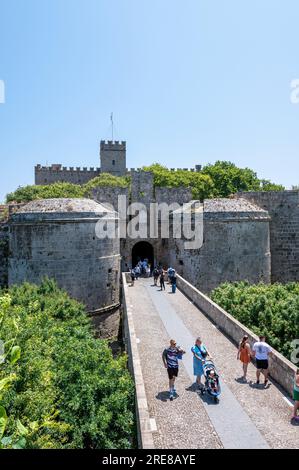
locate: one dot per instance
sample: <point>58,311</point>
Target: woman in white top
<point>261,351</point>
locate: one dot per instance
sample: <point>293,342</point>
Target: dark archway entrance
<point>142,251</point>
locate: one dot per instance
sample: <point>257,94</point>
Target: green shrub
<point>105,179</point>
<point>219,180</point>
<point>55,190</point>
<point>65,190</point>
<point>269,309</point>
<point>69,391</point>
<point>202,185</point>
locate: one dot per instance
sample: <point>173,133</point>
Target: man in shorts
<point>170,359</point>
<point>261,351</point>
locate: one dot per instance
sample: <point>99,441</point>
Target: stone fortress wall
<point>56,238</point>
<point>57,173</point>
<point>113,161</point>
<point>253,236</point>
<point>236,246</point>
<point>283,208</point>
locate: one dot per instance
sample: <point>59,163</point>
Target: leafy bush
<point>55,190</point>
<point>105,179</point>
<point>202,185</point>
<point>229,179</point>
<point>269,309</point>
<point>219,180</point>
<point>65,190</point>
<point>69,392</point>
<point>267,185</point>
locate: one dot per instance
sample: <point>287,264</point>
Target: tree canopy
<point>218,180</point>
<point>272,310</point>
<point>61,386</point>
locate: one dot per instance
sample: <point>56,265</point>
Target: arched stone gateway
<point>143,250</point>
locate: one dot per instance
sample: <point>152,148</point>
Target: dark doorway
<point>142,251</point>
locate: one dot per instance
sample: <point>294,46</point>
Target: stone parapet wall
<point>110,195</point>
<point>179,195</point>
<point>281,370</point>
<point>144,432</point>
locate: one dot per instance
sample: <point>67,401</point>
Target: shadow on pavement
<point>164,396</point>
<point>241,380</point>
<point>206,398</point>
<point>260,386</point>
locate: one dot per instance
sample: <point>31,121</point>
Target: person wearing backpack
<point>173,282</point>
<point>200,354</point>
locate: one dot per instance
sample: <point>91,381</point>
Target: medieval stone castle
<point>113,161</point>
<point>252,236</point>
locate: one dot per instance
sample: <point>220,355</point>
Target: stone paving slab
<point>269,409</point>
<point>185,423</point>
<point>231,422</point>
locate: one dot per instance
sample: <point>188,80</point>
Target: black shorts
<point>262,364</point>
<point>172,372</point>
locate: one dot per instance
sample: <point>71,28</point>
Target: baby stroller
<point>212,382</point>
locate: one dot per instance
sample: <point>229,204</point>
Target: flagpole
<point>111,117</point>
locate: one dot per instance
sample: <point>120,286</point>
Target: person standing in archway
<point>156,276</point>
<point>133,277</point>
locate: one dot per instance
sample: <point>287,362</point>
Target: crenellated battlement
<point>113,161</point>
<point>113,145</point>
<point>60,168</point>
<point>196,169</point>
<point>58,173</point>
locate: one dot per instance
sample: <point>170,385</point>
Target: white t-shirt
<point>262,350</point>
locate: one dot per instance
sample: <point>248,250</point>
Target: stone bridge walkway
<point>247,416</point>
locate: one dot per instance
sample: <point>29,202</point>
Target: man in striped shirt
<point>171,358</point>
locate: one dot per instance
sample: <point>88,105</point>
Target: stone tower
<point>57,238</point>
<point>113,157</point>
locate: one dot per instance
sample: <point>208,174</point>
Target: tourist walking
<point>170,273</point>
<point>200,354</point>
<point>156,276</point>
<point>296,396</point>
<point>261,351</point>
<point>137,272</point>
<point>244,355</point>
<point>162,280</point>
<point>170,357</point>
<point>133,277</point>
<point>173,282</point>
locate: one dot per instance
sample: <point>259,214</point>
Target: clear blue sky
<point>188,82</point>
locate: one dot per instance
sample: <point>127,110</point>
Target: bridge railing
<point>281,369</point>
<point>144,432</point>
